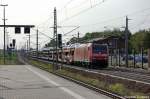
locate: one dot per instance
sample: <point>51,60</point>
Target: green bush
<point>117,88</point>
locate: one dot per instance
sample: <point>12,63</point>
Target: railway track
<point>136,76</point>
<point>112,95</point>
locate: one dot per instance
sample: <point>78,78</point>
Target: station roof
<point>103,38</point>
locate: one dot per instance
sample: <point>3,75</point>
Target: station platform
<point>28,82</point>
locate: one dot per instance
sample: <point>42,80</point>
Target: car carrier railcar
<point>89,54</point>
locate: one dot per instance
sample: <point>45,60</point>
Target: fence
<point>135,60</point>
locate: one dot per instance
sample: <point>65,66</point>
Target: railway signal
<point>59,40</point>
<point>13,43</point>
<point>17,30</point>
<point>27,30</point>
<point>10,45</point>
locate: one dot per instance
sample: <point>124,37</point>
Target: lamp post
<point>4,29</point>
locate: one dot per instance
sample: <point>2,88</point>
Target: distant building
<point>113,42</point>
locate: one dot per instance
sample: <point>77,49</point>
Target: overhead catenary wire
<point>113,19</point>
<point>81,12</point>
<point>121,17</point>
<point>141,23</point>
<point>44,34</point>
<point>107,20</point>
<point>71,31</point>
<point>64,7</point>
<point>40,42</point>
<point>102,21</point>
<point>70,1</point>
<point>44,21</point>
<point>84,2</point>
<point>52,15</point>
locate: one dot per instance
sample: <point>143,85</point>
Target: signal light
<point>26,30</point>
<point>17,30</point>
<point>11,45</point>
<point>13,42</point>
<point>60,40</point>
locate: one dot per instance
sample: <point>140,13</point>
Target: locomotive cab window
<point>97,48</point>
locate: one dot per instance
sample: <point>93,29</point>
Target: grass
<point>10,60</point>
<point>118,88</point>
<point>115,88</point>
<point>42,65</point>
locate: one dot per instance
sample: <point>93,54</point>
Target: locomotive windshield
<point>97,48</point>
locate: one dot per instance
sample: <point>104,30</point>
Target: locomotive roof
<point>72,45</point>
<point>84,45</point>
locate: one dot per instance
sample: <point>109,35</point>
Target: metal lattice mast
<point>55,38</point>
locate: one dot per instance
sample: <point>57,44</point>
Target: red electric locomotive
<point>91,54</point>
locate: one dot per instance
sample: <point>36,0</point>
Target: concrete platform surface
<point>28,82</point>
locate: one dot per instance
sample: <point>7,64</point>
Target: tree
<point>147,40</point>
<point>73,40</point>
<point>50,44</point>
<point>140,39</point>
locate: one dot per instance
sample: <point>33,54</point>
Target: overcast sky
<point>90,15</point>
